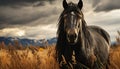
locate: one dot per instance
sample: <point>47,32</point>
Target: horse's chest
<point>85,57</point>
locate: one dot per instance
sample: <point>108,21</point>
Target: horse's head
<point>72,19</point>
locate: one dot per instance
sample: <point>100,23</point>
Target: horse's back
<point>102,32</point>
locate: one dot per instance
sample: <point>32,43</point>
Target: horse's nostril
<point>72,36</point>
<point>75,35</point>
<point>69,36</point>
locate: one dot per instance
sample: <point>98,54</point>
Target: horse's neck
<point>86,42</point>
<point>87,38</point>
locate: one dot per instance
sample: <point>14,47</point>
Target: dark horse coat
<point>91,49</point>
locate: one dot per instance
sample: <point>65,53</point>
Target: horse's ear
<point>65,5</point>
<point>80,4</point>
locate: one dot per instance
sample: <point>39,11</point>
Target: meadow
<point>19,57</point>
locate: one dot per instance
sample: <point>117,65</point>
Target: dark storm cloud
<point>15,13</point>
<point>22,2</point>
<point>106,5</point>
<point>22,14</point>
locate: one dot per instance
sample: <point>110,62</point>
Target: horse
<point>88,44</point>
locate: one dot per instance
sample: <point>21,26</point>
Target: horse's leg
<point>100,65</point>
<point>80,60</point>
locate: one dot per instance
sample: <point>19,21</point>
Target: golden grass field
<point>34,57</point>
<point>114,57</point>
<point>27,58</point>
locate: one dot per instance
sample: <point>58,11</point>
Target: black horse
<point>90,44</point>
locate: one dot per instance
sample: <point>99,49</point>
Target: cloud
<point>109,21</point>
<point>40,32</point>
<point>18,3</point>
<point>36,32</point>
<point>30,21</point>
<point>12,32</point>
<point>29,15</point>
<point>105,5</point>
<point>38,19</point>
<point>39,12</point>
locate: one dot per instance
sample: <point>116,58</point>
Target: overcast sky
<point>38,19</point>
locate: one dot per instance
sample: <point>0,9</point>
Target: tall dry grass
<point>114,58</point>
<point>27,58</point>
<point>19,57</point>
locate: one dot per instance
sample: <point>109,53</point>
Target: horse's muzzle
<point>72,38</point>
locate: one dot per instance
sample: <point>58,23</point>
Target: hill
<point>28,42</point>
